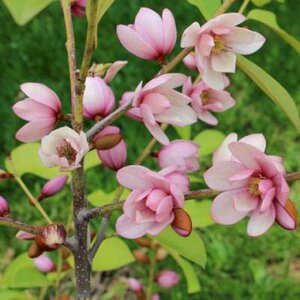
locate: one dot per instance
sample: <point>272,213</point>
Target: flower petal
<point>224,62</point>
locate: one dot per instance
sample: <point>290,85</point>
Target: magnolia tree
<point>244,181</point>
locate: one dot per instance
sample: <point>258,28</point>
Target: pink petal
<point>154,198</point>
<point>244,201</point>
<point>265,185</point>
<point>223,211</point>
<point>241,176</point>
<point>223,153</point>
<point>189,36</point>
<point>267,200</point>
<point>169,30</point>
<point>156,228</point>
<point>164,209</point>
<point>283,218</point>
<point>205,44</point>
<point>224,62</point>
<point>134,43</point>
<point>114,69</point>
<point>207,117</point>
<point>222,97</point>
<point>260,222</point>
<point>256,140</point>
<point>177,98</point>
<point>157,102</point>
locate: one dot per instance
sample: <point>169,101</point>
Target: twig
<point>6,221</point>
<point>243,6</point>
<point>151,275</point>
<point>224,7</point>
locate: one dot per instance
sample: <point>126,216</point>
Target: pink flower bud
<point>44,264</point>
<point>78,8</point>
<point>167,279</point>
<point>155,297</point>
<point>149,42</point>
<point>114,158</point>
<point>4,207</point>
<point>98,98</point>
<point>134,284</point>
<point>53,186</point>
<point>181,154</point>
<point>286,216</point>
<point>22,235</point>
<point>51,237</point>
<point>65,148</point>
<point>41,109</point>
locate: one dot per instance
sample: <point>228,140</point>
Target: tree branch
<point>6,221</point>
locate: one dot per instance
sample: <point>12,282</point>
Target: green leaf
<point>103,6</point>
<point>207,8</point>
<point>199,211</point>
<point>23,11</point>
<point>184,132</point>
<point>25,159</point>
<point>22,274</point>
<point>272,89</point>
<point>190,247</point>
<point>100,198</point>
<point>261,2</point>
<point>15,295</point>
<point>209,140</point>
<point>112,254</point>
<point>268,18</point>
<point>193,284</point>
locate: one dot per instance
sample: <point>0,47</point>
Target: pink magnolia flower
<point>22,235</point>
<point>149,42</point>
<point>78,7</point>
<point>167,279</point>
<point>207,100</point>
<point>4,207</point>
<point>114,69</point>
<point>149,207</point>
<point>159,102</point>
<point>44,264</point>
<point>181,154</point>
<point>64,148</point>
<point>134,112</point>
<point>190,61</point>
<point>134,284</point>
<point>53,186</point>
<point>216,44</point>
<point>98,98</point>
<point>180,179</point>
<point>251,183</point>
<point>113,158</point>
<point>41,109</point>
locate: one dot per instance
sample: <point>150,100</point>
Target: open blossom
<point>134,112</point>
<point>216,44</point>
<point>159,102</point>
<point>149,207</point>
<point>149,42</point>
<point>167,279</point>
<point>251,184</point>
<point>98,98</point>
<point>44,263</point>
<point>41,109</point>
<point>64,148</point>
<point>181,154</point>
<point>78,7</point>
<point>115,157</point>
<point>206,100</point>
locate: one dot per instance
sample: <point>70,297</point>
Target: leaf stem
<point>151,275</point>
<point>244,6</point>
<point>224,7</point>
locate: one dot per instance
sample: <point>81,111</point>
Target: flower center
<point>204,97</point>
<point>67,151</point>
<point>219,45</point>
<point>254,186</point>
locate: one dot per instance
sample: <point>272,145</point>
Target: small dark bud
<point>34,250</point>
<point>182,223</point>
<point>141,257</point>
<point>107,142</point>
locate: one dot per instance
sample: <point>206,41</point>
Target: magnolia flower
<point>159,102</point>
<point>207,100</point>
<point>180,179</point>
<point>181,154</point>
<point>216,44</point>
<point>167,279</point>
<point>149,207</point>
<point>4,207</point>
<point>78,7</point>
<point>53,186</point>
<point>113,158</point>
<point>251,184</point>
<point>98,98</point>
<point>134,112</point>
<point>44,263</point>
<point>41,109</point>
<point>65,148</point>
<point>134,284</point>
<point>149,42</point>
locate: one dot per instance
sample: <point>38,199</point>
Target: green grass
<point>238,267</point>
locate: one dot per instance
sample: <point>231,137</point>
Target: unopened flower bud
<point>115,157</point>
<point>51,237</point>
<point>44,263</point>
<point>34,250</point>
<point>4,175</point>
<point>167,279</point>
<point>144,242</point>
<point>134,284</point>
<point>78,8</point>
<point>161,254</point>
<point>182,223</point>
<point>287,216</point>
<point>23,235</point>
<point>155,297</point>
<point>53,186</point>
<point>4,207</point>
<point>141,257</point>
<point>107,142</point>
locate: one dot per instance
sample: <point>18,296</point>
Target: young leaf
<point>207,8</point>
<point>261,2</point>
<point>23,11</point>
<point>193,284</point>
<point>103,6</point>
<point>112,254</point>
<point>268,18</point>
<point>209,140</point>
<point>190,247</point>
<point>15,295</point>
<point>272,89</point>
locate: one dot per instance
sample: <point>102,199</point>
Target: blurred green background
<point>239,267</point>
